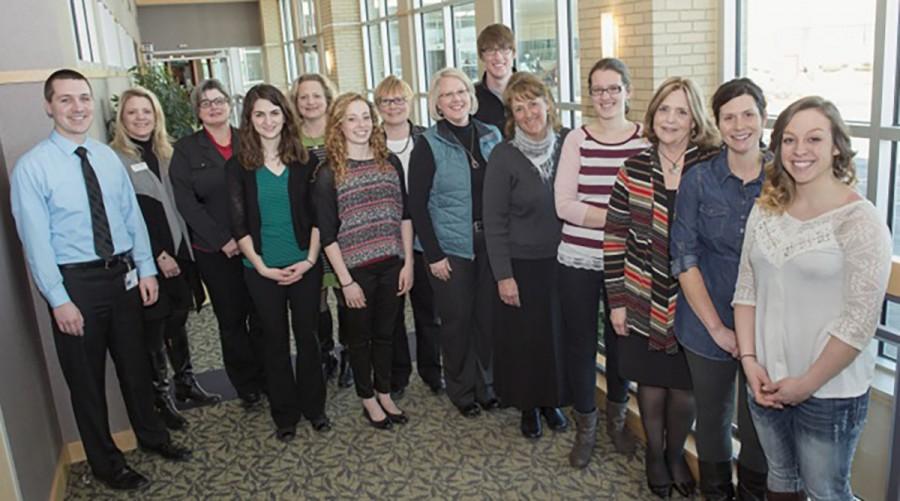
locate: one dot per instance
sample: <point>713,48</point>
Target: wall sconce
<point>608,35</point>
<point>329,61</point>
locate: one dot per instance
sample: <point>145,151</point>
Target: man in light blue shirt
<point>89,253</point>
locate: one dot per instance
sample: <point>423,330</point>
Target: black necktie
<point>103,244</point>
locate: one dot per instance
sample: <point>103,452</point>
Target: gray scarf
<point>540,153</point>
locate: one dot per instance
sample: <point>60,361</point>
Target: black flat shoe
<point>286,434</point>
<point>398,394</point>
<point>168,450</point>
<point>250,400</point>
<point>490,405</point>
<point>384,424</point>
<point>397,418</point>
<point>125,479</point>
<point>663,491</point>
<point>531,424</point>
<point>680,469</point>
<point>470,411</point>
<point>436,388</point>
<point>556,420</point>
<point>321,424</point>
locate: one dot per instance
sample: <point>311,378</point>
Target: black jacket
<point>243,201</point>
<point>491,109</point>
<point>198,180</point>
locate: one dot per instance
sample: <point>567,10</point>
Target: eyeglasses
<point>394,101</point>
<point>461,93</point>
<point>207,103</point>
<point>503,51</point>
<point>612,90</point>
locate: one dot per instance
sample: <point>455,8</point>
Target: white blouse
<point>813,279</point>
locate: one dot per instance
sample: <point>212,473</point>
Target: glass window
<point>391,7</point>
<point>425,3</point>
<point>576,55</point>
<point>861,147</point>
<point>465,50</point>
<point>85,31</point>
<point>791,53</point>
<point>374,9</point>
<point>252,67</point>
<point>308,17</point>
<point>536,37</point>
<point>376,53</point>
<point>433,41</point>
<point>396,58</point>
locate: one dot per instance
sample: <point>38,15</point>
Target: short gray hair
<point>434,91</point>
<point>197,93</point>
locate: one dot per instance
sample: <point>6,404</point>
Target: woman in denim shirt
<point>712,209</point>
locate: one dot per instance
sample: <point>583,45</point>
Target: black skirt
<point>528,369</point>
<point>652,368</point>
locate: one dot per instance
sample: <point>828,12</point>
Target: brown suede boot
<point>616,415</point>
<point>585,438</point>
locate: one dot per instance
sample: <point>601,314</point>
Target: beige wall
<point>342,57</point>
<point>34,398</point>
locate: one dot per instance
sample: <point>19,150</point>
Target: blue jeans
<point>810,446</point>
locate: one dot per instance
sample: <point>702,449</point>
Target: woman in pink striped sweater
<point>591,157</point>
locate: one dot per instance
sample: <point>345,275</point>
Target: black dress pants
<point>113,323</point>
<point>428,352</point>
<point>466,304</point>
<point>580,293</point>
<point>370,330</point>
<point>300,390</point>
<point>239,329</point>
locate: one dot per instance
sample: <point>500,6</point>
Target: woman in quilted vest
<point>446,186</point>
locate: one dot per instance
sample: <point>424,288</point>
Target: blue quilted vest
<point>450,200</point>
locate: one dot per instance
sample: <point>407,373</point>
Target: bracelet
<point>746,355</point>
<point>348,285</point>
<point>311,263</point>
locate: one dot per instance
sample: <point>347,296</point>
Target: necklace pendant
<point>474,163</point>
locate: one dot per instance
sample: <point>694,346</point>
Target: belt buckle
<point>110,262</point>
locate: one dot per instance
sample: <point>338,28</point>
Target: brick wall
<point>656,39</point>
<point>341,38</point>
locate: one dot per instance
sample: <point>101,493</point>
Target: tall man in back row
<point>89,253</point>
<point>497,51</point>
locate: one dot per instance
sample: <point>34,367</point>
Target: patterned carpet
<point>438,455</point>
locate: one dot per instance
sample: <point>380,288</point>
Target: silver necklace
<point>405,146</point>
<point>674,168</point>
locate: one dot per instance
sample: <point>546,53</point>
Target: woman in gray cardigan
<point>522,233</point>
<point>142,144</point>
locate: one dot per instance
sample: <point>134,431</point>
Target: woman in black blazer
<point>198,179</point>
<point>272,221</point>
<point>142,143</point>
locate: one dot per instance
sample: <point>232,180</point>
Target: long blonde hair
<point>779,189</point>
<point>162,144</point>
<point>336,143</point>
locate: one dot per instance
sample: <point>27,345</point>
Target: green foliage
<point>173,97</point>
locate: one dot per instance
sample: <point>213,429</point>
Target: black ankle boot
<point>345,374</point>
<point>715,481</point>
<point>163,402</point>
<point>531,423</point>
<point>751,484</point>
<point>188,388</point>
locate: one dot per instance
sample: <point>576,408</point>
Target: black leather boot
<point>715,481</point>
<point>345,373</point>
<point>163,402</point>
<point>531,423</point>
<point>186,385</point>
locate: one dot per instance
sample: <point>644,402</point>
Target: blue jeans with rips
<point>811,445</point>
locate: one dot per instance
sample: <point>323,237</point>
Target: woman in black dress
<point>522,234</point>
<point>642,291</point>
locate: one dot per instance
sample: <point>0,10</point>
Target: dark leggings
<point>714,385</point>
<point>581,292</point>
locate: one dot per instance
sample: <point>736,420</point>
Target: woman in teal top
<point>272,221</point>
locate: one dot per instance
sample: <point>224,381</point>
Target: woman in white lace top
<point>813,273</point>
